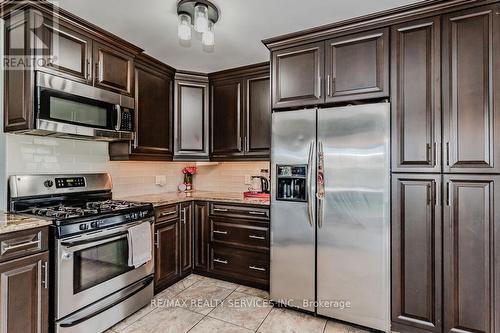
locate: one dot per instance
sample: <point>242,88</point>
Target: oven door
<point>94,265</point>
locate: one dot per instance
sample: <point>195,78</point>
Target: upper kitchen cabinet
<point>297,76</point>
<point>154,83</point>
<point>191,116</point>
<point>241,113</point>
<point>416,96</point>
<point>114,69</point>
<point>357,66</point>
<point>471,98</point>
<point>70,49</point>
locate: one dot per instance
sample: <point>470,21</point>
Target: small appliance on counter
<point>95,284</point>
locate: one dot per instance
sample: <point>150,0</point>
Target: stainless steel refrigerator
<point>330,223</point>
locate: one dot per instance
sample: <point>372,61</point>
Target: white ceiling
<point>152,25</point>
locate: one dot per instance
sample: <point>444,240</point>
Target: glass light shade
<point>201,18</point>
<point>208,37</point>
<point>184,27</point>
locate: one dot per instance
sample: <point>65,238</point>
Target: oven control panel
<point>70,182</point>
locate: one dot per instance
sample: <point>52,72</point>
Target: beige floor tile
<point>219,283</point>
<point>202,298</point>
<point>211,325</point>
<point>242,310</point>
<point>168,320</point>
<point>132,318</point>
<point>334,327</point>
<point>253,291</point>
<point>290,321</point>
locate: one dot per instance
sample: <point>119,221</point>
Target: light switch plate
<point>161,180</point>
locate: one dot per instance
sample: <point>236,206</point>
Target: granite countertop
<point>167,198</point>
<point>16,222</point>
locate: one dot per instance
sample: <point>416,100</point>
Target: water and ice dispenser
<point>291,183</point>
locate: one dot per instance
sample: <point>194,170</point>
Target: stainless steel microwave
<point>65,108</point>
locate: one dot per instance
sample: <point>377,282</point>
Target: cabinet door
<point>297,76</point>
<point>227,122</point>
<point>357,66</point>
<point>114,69</point>
<point>24,301</point>
<point>153,109</point>
<point>201,236</point>
<point>416,97</point>
<point>167,263</point>
<point>258,117</point>
<point>472,244</point>
<point>186,230</point>
<point>191,120</point>
<point>69,52</point>
<point>416,253</point>
<point>471,77</point>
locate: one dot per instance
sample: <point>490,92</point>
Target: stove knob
<point>93,224</point>
<point>83,227</point>
<point>48,183</point>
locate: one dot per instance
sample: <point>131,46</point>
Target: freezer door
<point>353,217</point>
<point>293,222</point>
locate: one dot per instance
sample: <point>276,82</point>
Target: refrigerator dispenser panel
<point>291,183</point>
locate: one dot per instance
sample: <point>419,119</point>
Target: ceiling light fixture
<point>200,15</point>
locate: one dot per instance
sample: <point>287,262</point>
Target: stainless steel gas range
<point>93,285</point>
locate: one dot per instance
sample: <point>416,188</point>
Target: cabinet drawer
<point>166,213</point>
<point>239,234</point>
<point>246,265</point>
<point>23,243</point>
<point>247,212</point>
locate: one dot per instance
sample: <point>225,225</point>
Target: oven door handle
<point>133,290</point>
<point>70,244</point>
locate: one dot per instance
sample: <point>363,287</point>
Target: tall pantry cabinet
<point>445,185</point>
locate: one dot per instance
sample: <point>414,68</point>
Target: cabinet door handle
<point>447,153</point>
<point>183,217</point>
<point>220,210</point>
<point>220,261</point>
<point>255,268</point>
<point>89,70</point>
<point>448,194</point>
<point>328,91</point>
<point>256,213</point>
<point>167,213</point>
<point>320,86</point>
<point>157,243</point>
<point>256,237</point>
<point>45,268</point>
<point>220,232</point>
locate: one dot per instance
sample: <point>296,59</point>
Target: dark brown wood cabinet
<point>186,237</point>
<point>114,69</point>
<point>471,100</point>
<point>241,113</point>
<point>416,96</point>
<point>191,116</point>
<point>357,66</point>
<point>297,76</point>
<point>25,298</point>
<point>167,258</point>
<point>153,114</point>
<point>201,227</point>
<point>471,244</point>
<point>416,253</point>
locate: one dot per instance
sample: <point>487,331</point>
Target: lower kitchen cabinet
<point>201,236</point>
<point>416,253</point>
<point>472,245</point>
<point>186,239</point>
<point>24,294</point>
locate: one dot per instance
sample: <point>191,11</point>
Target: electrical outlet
<point>248,180</point>
<point>161,180</point>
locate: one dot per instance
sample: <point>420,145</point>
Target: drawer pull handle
<point>220,261</point>
<point>256,237</point>
<point>13,247</point>
<point>220,232</point>
<point>167,213</point>
<point>256,213</point>
<point>220,210</point>
<point>255,268</point>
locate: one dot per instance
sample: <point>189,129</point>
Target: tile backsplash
<point>30,154</point>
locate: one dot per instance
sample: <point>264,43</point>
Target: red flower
<point>190,170</point>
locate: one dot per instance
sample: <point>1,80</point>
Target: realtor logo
<point>28,41</point>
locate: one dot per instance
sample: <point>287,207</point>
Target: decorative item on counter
<point>188,177</point>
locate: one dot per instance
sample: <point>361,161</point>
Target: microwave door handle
<point>118,109</point>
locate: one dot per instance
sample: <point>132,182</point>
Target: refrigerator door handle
<point>310,197</point>
<point>321,184</point>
